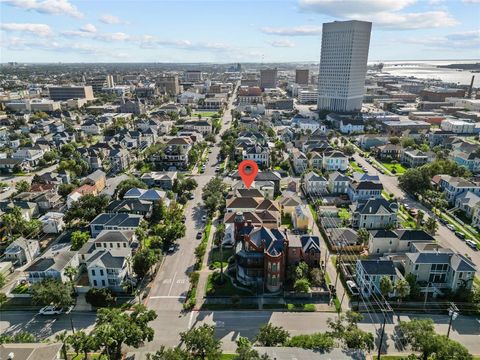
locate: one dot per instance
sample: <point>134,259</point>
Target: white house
<point>334,160</point>
<point>22,251</point>
<point>52,222</point>
<point>52,265</point>
<point>108,268</point>
<point>315,184</point>
<point>348,126</point>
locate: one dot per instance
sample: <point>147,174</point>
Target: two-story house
<point>370,272</point>
<point>338,183</point>
<point>315,184</point>
<point>374,214</point>
<point>334,160</point>
<point>455,186</point>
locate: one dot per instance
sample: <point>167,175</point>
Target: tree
<point>214,195</point>
<point>128,184</point>
<point>358,339</point>
<point>22,186</point>
<point>200,343</point>
<point>431,226</point>
<point>115,327</point>
<point>386,285</point>
<point>80,341</point>
<point>316,277</point>
<point>363,236</point>
<point>270,335</point>
<point>402,288</point>
<point>100,297</point>
<point>20,337</point>
<point>71,273</point>
<point>143,260</point>
<point>79,238</point>
<point>394,140</point>
<point>2,280</point>
<point>419,219</point>
<point>448,349</point>
<point>65,189</point>
<point>63,338</point>
<point>87,208</point>
<point>302,286</point>
<point>317,341</point>
<point>414,287</point>
<point>165,353</point>
<point>51,292</point>
<point>419,335</point>
<point>245,351</point>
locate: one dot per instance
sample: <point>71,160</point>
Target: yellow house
<point>301,218</point>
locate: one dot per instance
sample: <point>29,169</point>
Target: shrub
<point>317,341</point>
<point>100,297</point>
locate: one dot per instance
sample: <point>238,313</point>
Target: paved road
<point>445,237</point>
<point>229,325</point>
<point>12,180</point>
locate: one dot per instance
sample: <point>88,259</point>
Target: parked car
<point>460,235</point>
<point>443,221</point>
<point>199,235</point>
<point>172,248</point>
<point>5,189</point>
<point>451,227</point>
<point>190,196</point>
<point>53,310</point>
<point>472,244</point>
<point>352,287</point>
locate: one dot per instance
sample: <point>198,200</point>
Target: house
<point>315,184</point>
<point>414,158</point>
<point>97,178</point>
<point>364,190</point>
<point>29,155</point>
<point>52,265</point>
<point>349,126</point>
<point>374,214</point>
<point>260,256</point>
<point>31,351</point>
<point>383,241</point>
<point>259,154</point>
<point>52,222</point>
<point>338,183</point>
<point>76,194</point>
<point>131,206</point>
<point>344,239</point>
<point>10,165</point>
<point>368,141</point>
<point>301,218</point>
<point>437,269</point>
<point>368,274</point>
<point>316,160</point>
<point>161,179</point>
<point>201,126</point>
<point>22,251</point>
<point>455,186</point>
<point>299,161</point>
<point>151,195</point>
<point>121,221</point>
<point>334,160</point>
<point>45,200</point>
<point>108,268</point>
<point>388,152</point>
<point>467,202</point>
<point>304,248</point>
<point>470,160</point>
<point>28,210</point>
<point>289,203</point>
<point>175,154</point>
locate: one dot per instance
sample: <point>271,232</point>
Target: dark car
<point>443,221</point>
<point>460,235</point>
<point>199,235</point>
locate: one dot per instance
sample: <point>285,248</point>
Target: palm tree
<point>386,285</point>
<point>402,289</point>
<point>419,219</point>
<point>431,226</point>
<point>71,273</point>
<point>63,338</point>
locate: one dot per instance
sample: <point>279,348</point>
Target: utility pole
<point>452,313</point>
<point>381,336</point>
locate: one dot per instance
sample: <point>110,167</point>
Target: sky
<point>226,31</point>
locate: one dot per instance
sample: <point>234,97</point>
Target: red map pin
<point>248,170</point>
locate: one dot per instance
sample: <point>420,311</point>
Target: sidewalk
<point>204,270</point>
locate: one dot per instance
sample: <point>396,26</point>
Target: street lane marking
<point>171,285</point>
<point>190,320</point>
<point>181,281</point>
<point>168,297</point>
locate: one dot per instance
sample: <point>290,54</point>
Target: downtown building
<point>268,78</point>
<point>62,93</point>
<point>343,65</point>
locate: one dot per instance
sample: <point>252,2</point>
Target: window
<point>101,272</point>
<point>103,282</point>
<point>93,272</point>
<point>94,282</point>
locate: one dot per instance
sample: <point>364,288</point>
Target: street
<point>445,237</point>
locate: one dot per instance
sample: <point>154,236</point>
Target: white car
<point>5,189</point>
<point>451,227</point>
<point>472,244</point>
<point>53,310</point>
<point>353,287</point>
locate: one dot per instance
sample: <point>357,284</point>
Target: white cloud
<point>282,43</point>
<point>89,28</point>
<point>111,19</point>
<point>471,1</point>
<point>293,31</point>
<point>54,7</point>
<point>386,14</point>
<point>42,30</point>
<point>117,36</point>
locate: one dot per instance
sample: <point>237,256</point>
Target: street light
<point>453,314</point>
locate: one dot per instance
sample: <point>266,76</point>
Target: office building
<point>343,65</point>
<point>168,84</point>
<point>100,81</point>
<point>268,78</point>
<point>61,93</point>
<point>301,76</point>
<point>193,76</point>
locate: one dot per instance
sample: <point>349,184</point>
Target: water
<point>429,70</point>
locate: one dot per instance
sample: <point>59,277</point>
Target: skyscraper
<point>268,78</point>
<point>343,65</point>
<point>301,76</point>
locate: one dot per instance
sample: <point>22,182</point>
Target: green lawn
<point>344,214</point>
<point>204,114</point>
<point>90,357</point>
<point>228,356</point>
<point>301,307</point>
<point>225,289</point>
<point>399,169</point>
<point>355,167</point>
<point>20,289</point>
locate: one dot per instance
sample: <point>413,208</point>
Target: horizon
<point>271,32</point>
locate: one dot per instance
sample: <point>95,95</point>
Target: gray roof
<point>115,236</point>
<point>31,351</point>
<point>378,267</point>
<point>56,262</point>
<point>109,260</point>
